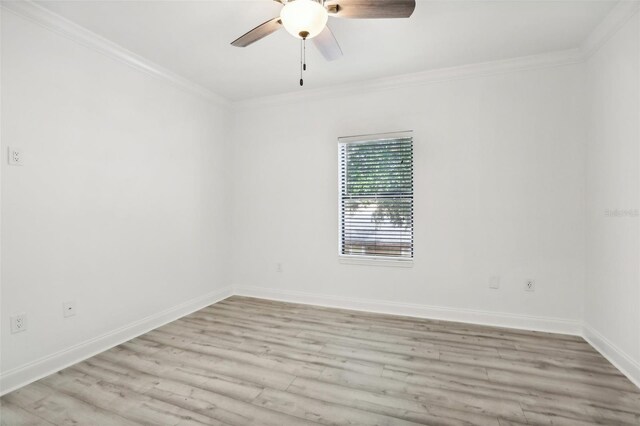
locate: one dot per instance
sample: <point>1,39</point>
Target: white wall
<point>499,190</point>
<point>122,204</point>
<point>612,306</point>
<point>117,206</point>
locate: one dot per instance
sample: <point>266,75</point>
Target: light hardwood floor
<point>246,361</point>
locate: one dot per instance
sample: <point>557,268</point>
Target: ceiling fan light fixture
<point>304,18</point>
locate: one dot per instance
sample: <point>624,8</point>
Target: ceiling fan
<point>307,19</point>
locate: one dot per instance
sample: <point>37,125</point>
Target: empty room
<point>319,212</point>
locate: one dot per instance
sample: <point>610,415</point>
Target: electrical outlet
<point>494,282</point>
<point>529,285</point>
<point>18,323</point>
<point>16,158</point>
<point>69,309</point>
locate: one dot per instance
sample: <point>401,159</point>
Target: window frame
<point>364,259</point>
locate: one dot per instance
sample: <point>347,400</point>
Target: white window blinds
<point>376,196</point>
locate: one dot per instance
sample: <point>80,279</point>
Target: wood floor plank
<point>584,364</point>
<point>137,407</point>
<point>292,367</point>
<point>541,368</point>
<point>12,415</point>
<point>180,373</point>
<point>258,375</point>
<point>472,403</point>
<point>247,361</point>
<point>325,338</point>
<point>404,348</point>
<point>323,412</point>
<point>465,385</point>
<point>280,351</point>
<point>573,407</point>
<point>195,399</point>
<point>288,327</point>
<point>409,409</point>
<point>251,333</point>
<point>551,418</point>
<point>628,401</point>
<point>577,409</point>
<point>60,409</point>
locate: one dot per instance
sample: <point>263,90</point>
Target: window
<point>376,196</point>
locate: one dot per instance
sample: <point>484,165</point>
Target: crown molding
<point>62,26</point>
<point>546,60</point>
<point>621,13</point>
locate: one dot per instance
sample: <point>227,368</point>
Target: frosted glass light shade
<point>304,16</point>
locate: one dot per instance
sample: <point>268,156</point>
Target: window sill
<point>373,261</point>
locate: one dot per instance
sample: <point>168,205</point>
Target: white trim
<point>546,60</point>
<point>25,374</point>
<point>622,12</point>
<point>374,261</point>
<point>2,159</point>
<point>616,356</point>
<point>611,24</point>
<point>363,259</point>
<point>375,137</point>
<point>618,16</point>
<point>472,316</point>
<point>62,26</point>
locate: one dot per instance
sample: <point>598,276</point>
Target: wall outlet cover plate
<point>16,157</point>
<point>529,285</point>
<point>18,323</point>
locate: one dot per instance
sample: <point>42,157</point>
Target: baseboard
<point>23,375</point>
<point>616,356</point>
<point>498,319</point>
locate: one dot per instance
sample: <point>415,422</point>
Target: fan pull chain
<point>303,55</point>
<point>301,61</point>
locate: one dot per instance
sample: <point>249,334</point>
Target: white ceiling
<point>192,38</point>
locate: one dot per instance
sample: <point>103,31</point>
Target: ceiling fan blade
<point>259,32</point>
<point>370,9</point>
<point>327,44</point>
